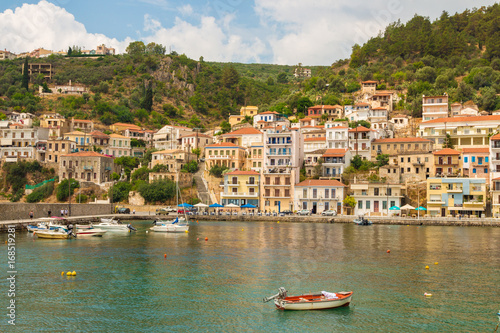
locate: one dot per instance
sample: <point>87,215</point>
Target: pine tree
<point>147,101</point>
<point>26,77</point>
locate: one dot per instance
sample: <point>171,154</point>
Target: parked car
<point>123,210</point>
<point>165,211</point>
<point>329,213</point>
<point>304,212</point>
<point>287,212</point>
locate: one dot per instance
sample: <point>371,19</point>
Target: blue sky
<point>269,31</point>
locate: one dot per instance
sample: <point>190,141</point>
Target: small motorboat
<point>90,232</point>
<point>115,226</point>
<point>176,225</point>
<point>316,301</point>
<point>362,221</point>
<point>84,226</point>
<point>39,226</point>
<point>111,220</point>
<point>55,233</point>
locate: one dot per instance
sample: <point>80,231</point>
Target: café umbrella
<point>216,205</point>
<point>418,209</point>
<point>231,206</point>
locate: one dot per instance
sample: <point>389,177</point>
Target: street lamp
<point>69,190</point>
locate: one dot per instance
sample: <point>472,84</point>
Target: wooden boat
<point>90,232</point>
<point>317,301</point>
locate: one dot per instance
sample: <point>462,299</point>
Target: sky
<point>286,32</point>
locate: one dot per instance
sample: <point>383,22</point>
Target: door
<point>88,176</point>
<point>443,212</point>
<point>375,206</point>
<point>314,208</point>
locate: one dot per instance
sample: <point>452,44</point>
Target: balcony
<point>473,203</point>
<point>107,168</point>
<point>231,183</point>
<point>278,154</point>
<point>255,183</point>
<point>418,163</point>
<point>88,167</point>
<point>455,190</point>
<point>240,194</point>
<point>435,202</point>
<point>446,164</point>
<point>220,157</point>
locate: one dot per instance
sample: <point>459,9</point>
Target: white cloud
<point>209,39</point>
<point>45,25</point>
<point>185,10</point>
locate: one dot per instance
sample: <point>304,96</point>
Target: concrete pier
<point>435,221</point>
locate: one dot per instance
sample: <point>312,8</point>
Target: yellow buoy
<point>187,231</point>
<point>74,273</point>
<point>426,267</point>
<point>241,229</point>
<point>427,295</point>
<point>68,274</point>
<point>278,222</point>
<point>436,263</point>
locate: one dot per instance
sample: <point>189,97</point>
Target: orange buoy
<point>206,238</point>
<point>198,238</point>
<point>165,255</point>
<point>388,251</point>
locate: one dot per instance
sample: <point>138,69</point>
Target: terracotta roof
<point>475,150</point>
<point>86,154</point>
<point>244,131</point>
<point>268,112</point>
<point>241,172</point>
<point>315,139</point>
<point>306,119</point>
<point>194,135</point>
<point>447,151</point>
<point>495,137</point>
<point>335,152</point>
<point>379,108</point>
<point>462,119</point>
<point>82,120</point>
<point>98,134</point>
<point>75,133</point>
<point>317,152</point>
<point>118,136</point>
<point>336,106</point>
<point>496,178</point>
<point>359,129</point>
<point>320,182</point>
<point>401,140</point>
<point>223,144</point>
<point>370,81</point>
<point>169,151</point>
<point>334,127</point>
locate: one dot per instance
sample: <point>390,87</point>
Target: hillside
<point>457,54</point>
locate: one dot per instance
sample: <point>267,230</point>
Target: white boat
<point>177,225</point>
<point>114,226</point>
<point>90,232</point>
<point>111,220</point>
<point>316,301</point>
<point>39,226</point>
<point>84,226</point>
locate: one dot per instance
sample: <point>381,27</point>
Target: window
<point>267,203</point>
<point>466,159</point>
<point>435,186</point>
<point>473,159</point>
<point>485,170</point>
<point>327,193</point>
<point>409,159</point>
<point>474,170</point>
<point>486,159</point>
<point>360,204</point>
<point>384,205</point>
<point>368,204</point>
<point>402,159</point>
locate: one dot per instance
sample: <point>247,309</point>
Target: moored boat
<point>91,232</point>
<point>170,226</point>
<point>114,226</point>
<point>53,234</point>
<point>316,301</point>
<point>362,221</point>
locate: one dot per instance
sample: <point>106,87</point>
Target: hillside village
<point>279,163</point>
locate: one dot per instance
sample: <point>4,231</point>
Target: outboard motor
<point>280,295</point>
<point>70,230</point>
<point>131,228</point>
<point>154,222</point>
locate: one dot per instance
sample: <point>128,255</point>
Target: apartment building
<point>283,157</point>
<point>55,123</point>
<point>195,141</point>
<point>376,198</point>
<point>495,197</point>
<point>335,161</point>
<point>337,136</point>
<point>319,195</point>
<point>87,166</point>
<point>494,160</point>
<point>244,137</point>
<point>456,196</point>
<point>255,157</point>
<point>447,162</point>
<point>434,107</point>
<point>241,188</point>
<point>119,145</point>
<point>464,132</point>
<point>326,112</point>
<point>476,163</point>
<point>58,147</point>
<point>360,139</point>
<point>396,146</point>
<point>19,142</point>
<point>225,154</point>
<point>312,160</point>
<point>82,125</point>
<point>168,136</point>
<point>408,167</point>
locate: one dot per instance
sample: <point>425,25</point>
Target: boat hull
<point>52,235</point>
<point>312,302</point>
<point>170,228</point>
<point>112,227</point>
<point>91,232</point>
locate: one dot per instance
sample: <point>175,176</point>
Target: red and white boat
<point>316,301</point>
<point>90,232</point>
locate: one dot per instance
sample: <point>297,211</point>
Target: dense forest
<point>457,54</point>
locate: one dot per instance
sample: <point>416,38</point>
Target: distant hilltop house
<point>36,69</point>
<point>6,55</point>
<point>100,50</point>
<point>43,53</point>
<point>69,89</point>
<point>302,72</point>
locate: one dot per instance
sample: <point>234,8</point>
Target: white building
<point>17,141</point>
<point>495,157</point>
<point>335,161</point>
<point>168,136</point>
<point>434,107</point>
<point>376,198</point>
<point>312,144</point>
<point>319,195</point>
<point>360,139</point>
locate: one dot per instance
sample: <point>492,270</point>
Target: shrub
<point>119,191</point>
<point>157,191</point>
<point>41,193</point>
<point>217,171</point>
<point>62,189</point>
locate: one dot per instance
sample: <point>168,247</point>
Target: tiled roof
<point>447,151</point>
<point>82,120</point>
<point>98,134</point>
<point>194,135</point>
<point>223,144</point>
<point>359,129</point>
<point>118,136</point>
<point>268,112</point>
<point>495,137</point>
<point>169,151</point>
<point>394,140</point>
<point>315,139</point>
<point>370,81</point>
<point>475,150</point>
<point>335,152</point>
<point>86,154</point>
<point>320,182</point>
<point>244,131</point>
<point>241,172</point>
<point>462,119</point>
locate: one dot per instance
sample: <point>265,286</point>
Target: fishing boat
<point>97,232</point>
<point>362,221</point>
<point>316,301</point>
<point>179,224</point>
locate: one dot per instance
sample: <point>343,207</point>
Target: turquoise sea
<point>124,283</point>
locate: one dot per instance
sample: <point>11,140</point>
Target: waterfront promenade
<point>145,215</point>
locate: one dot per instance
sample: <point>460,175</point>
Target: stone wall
<point>15,211</point>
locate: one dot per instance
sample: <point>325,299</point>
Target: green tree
<point>64,189</point>
<point>447,142</point>
<point>356,162</point>
<point>26,77</point>
<point>225,127</point>
<point>217,170</point>
<point>158,191</point>
<point>141,114</point>
<point>303,104</point>
<point>136,48</point>
<point>350,201</point>
<point>147,101</point>
<point>282,78</point>
<point>382,159</point>
<point>119,191</point>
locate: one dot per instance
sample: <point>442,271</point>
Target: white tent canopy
<point>231,206</point>
<point>201,205</point>
<point>407,207</point>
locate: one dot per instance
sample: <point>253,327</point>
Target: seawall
<point>16,211</point>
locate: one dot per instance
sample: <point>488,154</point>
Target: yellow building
<point>120,127</point>
<point>241,188</point>
<point>225,154</point>
<point>456,196</point>
<point>447,162</point>
<point>249,111</point>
